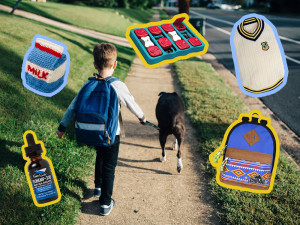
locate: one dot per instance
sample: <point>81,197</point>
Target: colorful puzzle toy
<point>166,41</point>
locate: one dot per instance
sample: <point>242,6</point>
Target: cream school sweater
<point>259,60</point>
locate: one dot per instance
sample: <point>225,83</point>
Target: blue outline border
<point>236,67</point>
<point>25,60</point>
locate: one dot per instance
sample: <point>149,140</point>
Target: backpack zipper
<point>223,164</point>
<point>105,126</point>
<point>219,154</point>
<point>108,137</point>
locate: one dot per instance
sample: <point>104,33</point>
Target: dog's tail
<point>174,121</point>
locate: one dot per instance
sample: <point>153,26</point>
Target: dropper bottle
<point>39,172</point>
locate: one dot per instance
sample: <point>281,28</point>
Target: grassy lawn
<point>212,107</point>
<point>163,15</point>
<point>20,110</point>
<point>104,20</point>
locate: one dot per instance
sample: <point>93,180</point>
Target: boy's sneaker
<point>97,192</point>
<point>106,209</point>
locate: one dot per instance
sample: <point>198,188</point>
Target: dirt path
<point>147,191</point>
<point>105,37</point>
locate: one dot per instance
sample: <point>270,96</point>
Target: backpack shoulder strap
<point>111,79</point>
<point>83,86</point>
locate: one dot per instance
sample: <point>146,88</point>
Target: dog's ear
<point>162,93</point>
<point>174,93</point>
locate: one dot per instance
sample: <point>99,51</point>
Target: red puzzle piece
<point>141,33</point>
<point>167,27</point>
<point>182,44</point>
<point>179,25</point>
<point>194,41</point>
<point>155,30</point>
<point>165,43</point>
<point>154,51</point>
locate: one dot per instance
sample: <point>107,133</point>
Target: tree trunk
<point>121,3</point>
<point>184,6</point>
<point>15,7</point>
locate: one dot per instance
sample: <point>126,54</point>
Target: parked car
<point>223,6</point>
<point>213,6</point>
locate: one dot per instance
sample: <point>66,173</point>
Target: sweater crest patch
<point>265,46</point>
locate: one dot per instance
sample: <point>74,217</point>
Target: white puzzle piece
<point>174,36</point>
<point>146,41</point>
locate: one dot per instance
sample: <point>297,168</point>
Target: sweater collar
<point>251,36</point>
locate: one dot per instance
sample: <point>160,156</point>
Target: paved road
<point>285,103</point>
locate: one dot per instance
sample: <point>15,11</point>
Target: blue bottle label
<point>42,183</point>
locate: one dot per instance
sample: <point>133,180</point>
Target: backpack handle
<point>254,114</point>
<point>254,119</point>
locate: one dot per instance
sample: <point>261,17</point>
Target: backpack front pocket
<point>92,133</point>
<point>246,168</point>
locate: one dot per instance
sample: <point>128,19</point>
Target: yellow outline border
<point>218,164</point>
<point>186,21</point>
<point>26,169</point>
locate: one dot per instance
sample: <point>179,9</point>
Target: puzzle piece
<point>167,27</point>
<point>146,41</point>
<point>179,25</point>
<point>141,33</point>
<point>182,44</point>
<point>155,30</point>
<point>164,43</point>
<point>194,41</point>
<point>174,36</point>
<point>154,51</point>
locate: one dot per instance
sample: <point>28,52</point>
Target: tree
<point>184,6</point>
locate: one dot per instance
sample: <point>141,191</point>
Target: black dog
<point>170,117</point>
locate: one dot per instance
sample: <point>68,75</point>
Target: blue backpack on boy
<point>97,112</point>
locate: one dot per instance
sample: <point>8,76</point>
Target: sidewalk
<point>146,190</point>
<point>105,37</point>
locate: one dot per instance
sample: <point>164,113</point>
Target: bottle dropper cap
<point>33,148</point>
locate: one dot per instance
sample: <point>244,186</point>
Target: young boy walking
<point>105,61</point>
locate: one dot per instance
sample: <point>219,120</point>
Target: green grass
<point>95,18</point>
<point>163,15</point>
<point>212,107</point>
<point>21,110</point>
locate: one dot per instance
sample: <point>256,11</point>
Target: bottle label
<point>42,183</point>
